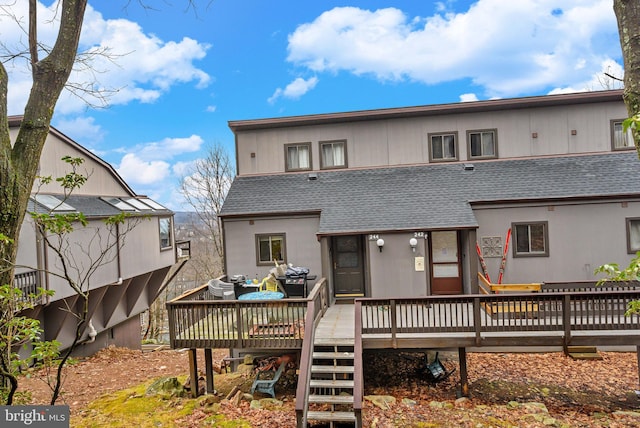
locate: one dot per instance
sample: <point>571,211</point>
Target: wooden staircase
<point>331,385</point>
<point>583,353</point>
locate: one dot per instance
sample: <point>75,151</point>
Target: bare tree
<point>78,249</point>
<point>204,188</point>
<point>19,159</point>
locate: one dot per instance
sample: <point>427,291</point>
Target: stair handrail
<point>316,307</point>
<point>358,383</point>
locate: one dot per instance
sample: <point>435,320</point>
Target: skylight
<point>153,204</point>
<point>52,203</point>
<point>120,204</point>
<point>138,204</point>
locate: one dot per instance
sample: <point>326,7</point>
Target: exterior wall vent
<point>313,176</point>
<point>468,167</point>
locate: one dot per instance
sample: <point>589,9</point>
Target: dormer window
<point>443,147</point>
<point>333,154</point>
<point>297,156</point>
<point>482,144</point>
<point>620,140</point>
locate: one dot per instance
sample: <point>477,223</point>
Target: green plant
<point>16,333</point>
<point>613,273</point>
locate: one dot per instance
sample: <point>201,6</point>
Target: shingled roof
<point>433,196</point>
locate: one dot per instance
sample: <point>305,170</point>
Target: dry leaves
<point>576,393</point>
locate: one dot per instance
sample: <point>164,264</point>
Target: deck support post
<point>193,372</point>
<point>208,369</point>
<point>638,358</point>
<point>464,379</point>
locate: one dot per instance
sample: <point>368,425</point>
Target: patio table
<point>262,295</point>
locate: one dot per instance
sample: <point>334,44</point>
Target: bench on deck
<point>509,309</point>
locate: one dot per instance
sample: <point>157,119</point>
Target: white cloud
<point>211,109</point>
<point>598,81</point>
<point>152,169</point>
<point>168,148</point>
<point>141,66</point>
<point>468,97</point>
<point>295,89</point>
<point>509,48</point>
<point>180,169</point>
<point>81,127</point>
<point>134,170</point>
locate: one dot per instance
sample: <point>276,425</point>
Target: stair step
<point>333,355</point>
<point>331,399</point>
<point>330,383</point>
<point>331,369</point>
<point>333,341</point>
<point>581,349</point>
<point>331,416</point>
<point>585,356</point>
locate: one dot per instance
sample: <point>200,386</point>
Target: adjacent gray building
<point>125,282</point>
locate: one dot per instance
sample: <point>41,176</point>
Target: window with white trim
<point>482,143</point>
<point>298,156</point>
<point>333,154</point>
<point>443,147</point>
<point>633,235</point>
<point>620,140</point>
<point>530,239</point>
<point>165,232</point>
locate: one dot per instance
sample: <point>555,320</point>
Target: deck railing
<point>196,320</point>
<point>29,283</point>
<point>555,287</point>
<point>479,316</point>
<point>183,249</point>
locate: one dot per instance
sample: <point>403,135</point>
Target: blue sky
<point>178,75</point>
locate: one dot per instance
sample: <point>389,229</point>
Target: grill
<point>295,286</point>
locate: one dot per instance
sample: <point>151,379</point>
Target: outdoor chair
<point>267,386</point>
<point>436,371</point>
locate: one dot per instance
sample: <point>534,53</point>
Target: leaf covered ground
<point>507,390</point>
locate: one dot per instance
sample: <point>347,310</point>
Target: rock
<point>255,404</point>
<point>436,405</point>
<point>409,402</point>
<point>270,404</point>
<point>382,401</point>
<point>209,400</point>
<point>167,386</point>
<point>535,407</point>
<point>462,402</point>
<point>513,405</point>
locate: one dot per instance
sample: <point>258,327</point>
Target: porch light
<point>380,244</point>
<point>412,243</point>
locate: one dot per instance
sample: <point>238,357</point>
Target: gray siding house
<point>130,277</point>
<point>399,202</point>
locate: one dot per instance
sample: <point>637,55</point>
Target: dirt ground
<point>574,391</point>
<point>111,369</point>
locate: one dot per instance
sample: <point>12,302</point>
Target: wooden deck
<point>337,324</point>
<point>524,319</point>
<point>592,317</point>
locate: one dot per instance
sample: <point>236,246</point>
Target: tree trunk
<point>628,16</point>
<point>19,163</point>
